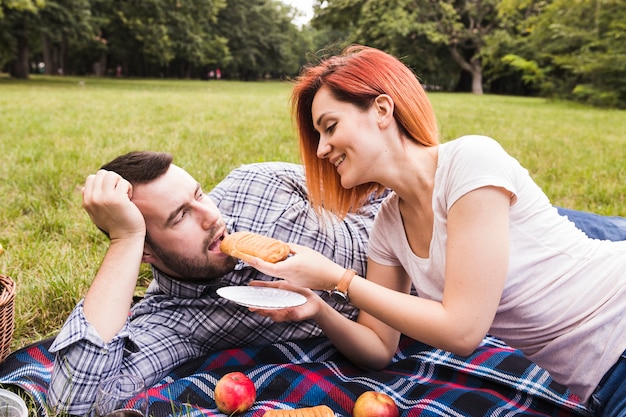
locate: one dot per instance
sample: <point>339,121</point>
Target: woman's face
<point>349,137</point>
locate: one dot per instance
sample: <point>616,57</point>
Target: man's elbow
<point>67,405</point>
<point>64,397</point>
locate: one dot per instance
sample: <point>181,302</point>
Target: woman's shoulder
<point>472,142</point>
<point>389,207</point>
<point>473,149</point>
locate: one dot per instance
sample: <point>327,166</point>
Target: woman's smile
<point>339,160</point>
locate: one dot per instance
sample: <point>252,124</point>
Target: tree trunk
<point>21,66</point>
<point>100,66</point>
<point>48,54</point>
<point>472,66</point>
<point>477,77</point>
<point>62,58</point>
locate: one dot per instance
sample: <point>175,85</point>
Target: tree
<point>193,29</point>
<point>573,49</point>
<point>153,37</point>
<point>585,40</point>
<point>504,70</point>
<point>17,17</point>
<point>63,24</point>
<point>459,26</point>
<point>389,26</point>
<point>261,38</point>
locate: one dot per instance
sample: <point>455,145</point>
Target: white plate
<point>262,297</point>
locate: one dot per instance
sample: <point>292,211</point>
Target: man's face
<point>184,228</point>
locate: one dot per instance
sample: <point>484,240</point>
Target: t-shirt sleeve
<point>386,231</point>
<point>479,161</point>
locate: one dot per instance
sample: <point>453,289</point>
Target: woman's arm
<point>476,266</point>
<point>368,342</point>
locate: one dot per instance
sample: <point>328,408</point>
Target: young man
<point>155,212</point>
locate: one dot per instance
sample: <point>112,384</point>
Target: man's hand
<point>107,200</point>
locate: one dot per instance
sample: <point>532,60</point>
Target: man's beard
<point>198,269</point>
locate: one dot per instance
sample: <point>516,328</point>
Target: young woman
<point>465,225</point>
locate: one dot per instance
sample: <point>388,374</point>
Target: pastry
<point>242,245</point>
<point>317,411</point>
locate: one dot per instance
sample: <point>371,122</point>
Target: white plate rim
<point>17,401</point>
<point>296,298</point>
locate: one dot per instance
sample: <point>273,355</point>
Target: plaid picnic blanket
<point>494,381</point>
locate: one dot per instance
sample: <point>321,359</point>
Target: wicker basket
<point>7,311</point>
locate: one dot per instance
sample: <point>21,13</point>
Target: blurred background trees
<point>573,49</point>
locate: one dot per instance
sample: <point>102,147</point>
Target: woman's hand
<point>306,311</point>
<point>304,268</point>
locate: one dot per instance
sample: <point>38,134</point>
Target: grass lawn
<point>55,131</point>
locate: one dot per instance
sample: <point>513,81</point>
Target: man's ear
<point>148,256</point>
<point>384,109</point>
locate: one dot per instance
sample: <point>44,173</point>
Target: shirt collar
<point>180,289</point>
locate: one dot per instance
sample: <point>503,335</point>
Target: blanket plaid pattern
<point>494,381</point>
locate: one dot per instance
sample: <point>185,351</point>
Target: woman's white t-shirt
<point>564,299</point>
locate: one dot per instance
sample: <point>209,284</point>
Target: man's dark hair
<point>140,167</point>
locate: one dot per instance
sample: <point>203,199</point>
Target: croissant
<point>242,245</point>
<point>317,411</point>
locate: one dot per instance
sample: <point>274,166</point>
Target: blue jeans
<point>597,226</point>
<point>609,399</point>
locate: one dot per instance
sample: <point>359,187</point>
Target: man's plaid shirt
<point>179,321</point>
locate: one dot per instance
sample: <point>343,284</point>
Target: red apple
<point>375,404</point>
<point>234,393</point>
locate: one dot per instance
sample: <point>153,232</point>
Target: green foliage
<point>401,31</point>
<point>587,93</point>
<point>579,46</point>
<point>531,73</point>
<point>162,32</point>
<point>17,17</point>
<point>262,38</point>
<point>559,48</point>
<point>432,33</point>
<point>571,49</point>
<point>20,6</point>
<point>57,130</point>
<point>172,38</point>
<point>341,14</point>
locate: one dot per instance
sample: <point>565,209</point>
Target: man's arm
<point>105,309</point>
<point>106,197</point>
<point>153,342</point>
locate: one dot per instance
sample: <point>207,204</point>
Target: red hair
<point>358,75</point>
